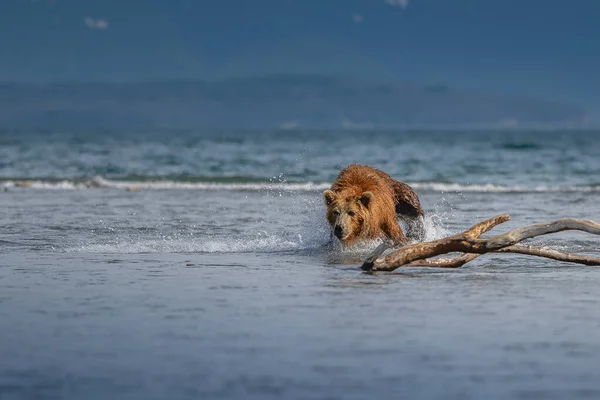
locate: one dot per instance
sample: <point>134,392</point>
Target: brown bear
<point>364,203</point>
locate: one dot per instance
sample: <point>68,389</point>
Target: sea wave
<point>132,185</point>
<point>494,188</point>
<point>167,184</point>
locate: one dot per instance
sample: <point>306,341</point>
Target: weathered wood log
<point>459,261</point>
<point>550,253</point>
<point>469,242</point>
<point>453,262</point>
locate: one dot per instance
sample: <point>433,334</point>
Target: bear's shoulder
<point>362,178</point>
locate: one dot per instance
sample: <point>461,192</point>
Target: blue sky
<point>544,48</point>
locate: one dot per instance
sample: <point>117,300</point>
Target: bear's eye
<point>336,213</point>
<point>351,213</point>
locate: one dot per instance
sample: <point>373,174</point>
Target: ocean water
<point>198,265</point>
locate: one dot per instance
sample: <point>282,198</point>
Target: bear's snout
<point>338,231</point>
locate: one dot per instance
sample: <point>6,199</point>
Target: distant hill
<point>278,101</point>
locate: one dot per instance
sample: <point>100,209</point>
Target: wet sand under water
<point>112,294</point>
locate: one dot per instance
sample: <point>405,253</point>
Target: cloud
<point>357,18</point>
<point>398,3</point>
<point>96,23</point>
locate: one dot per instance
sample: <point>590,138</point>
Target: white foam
<point>100,182</point>
<point>46,185</point>
<point>493,188</point>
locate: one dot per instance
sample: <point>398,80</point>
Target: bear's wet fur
<point>364,203</point>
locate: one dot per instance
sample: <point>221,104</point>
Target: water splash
<point>312,234</point>
<point>267,243</point>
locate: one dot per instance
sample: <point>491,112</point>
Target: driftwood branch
<point>468,242</point>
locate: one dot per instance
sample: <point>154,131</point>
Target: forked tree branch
<point>468,242</point>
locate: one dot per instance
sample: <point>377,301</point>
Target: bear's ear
<point>366,198</point>
<point>329,196</point>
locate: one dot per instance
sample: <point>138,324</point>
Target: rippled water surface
<point>198,265</point>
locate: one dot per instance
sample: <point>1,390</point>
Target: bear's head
<point>347,214</point>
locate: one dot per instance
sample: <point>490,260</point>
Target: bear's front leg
<point>395,234</point>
